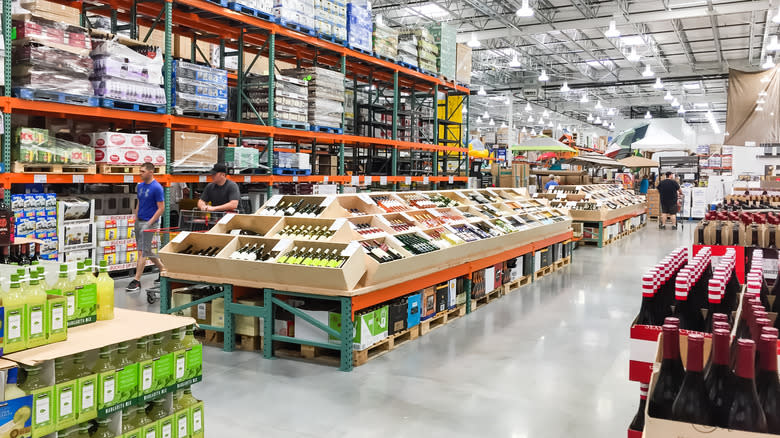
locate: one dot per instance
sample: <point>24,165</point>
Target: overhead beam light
<point>648,115</point>
<point>774,45</point>
<point>590,117</point>
<point>681,110</point>
<point>675,103</point>
<point>528,107</point>
<point>533,132</point>
<point>776,18</point>
<point>524,131</point>
<point>565,87</point>
<point>492,123</point>
<point>525,10</point>
<point>769,63</point>
<point>612,126</point>
<point>543,77</point>
<point>473,42</point>
<point>584,98</point>
<point>481,91</point>
<point>668,96</point>
<point>760,101</point>
<point>597,121</point>
<point>605,124</point>
<point>612,32</point>
<point>514,63</point>
<point>611,112</point>
<point>503,124</point>
<point>486,115</point>
<point>658,84</point>
<point>479,119</point>
<point>598,105</point>
<point>759,108</point>
<point>545,113</point>
<point>530,119</point>
<point>633,56</point>
<point>648,73</point>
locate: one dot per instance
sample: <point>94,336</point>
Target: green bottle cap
<point>63,268</point>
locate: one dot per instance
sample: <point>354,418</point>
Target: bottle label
<point>66,402</point>
<point>87,396</point>
<point>151,434</point>
<point>196,420</point>
<point>36,321</point>
<point>57,318</point>
<point>166,430</point>
<point>14,325</point>
<point>147,377</point>
<point>42,415</point>
<point>183,426</point>
<point>71,297</point>
<point>180,367</point>
<point>108,390</point>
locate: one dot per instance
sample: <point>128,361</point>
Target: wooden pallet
<point>86,169</point>
<point>114,169</point>
<point>486,299</point>
<point>442,318</point>
<point>514,285</point>
<point>385,345</point>
<point>244,343</point>
<point>562,263</point>
<point>547,270</point>
<point>309,353</point>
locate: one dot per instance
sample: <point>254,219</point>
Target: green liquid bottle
<point>189,341</point>
<point>103,430</point>
<point>186,399</point>
<point>79,369</point>
<point>156,349</point>
<point>141,418</point>
<point>122,358</point>
<point>104,363</point>
<point>62,372</point>
<point>141,352</point>
<point>158,411</point>
<point>33,381</point>
<point>66,289</point>
<point>128,420</point>
<point>175,343</point>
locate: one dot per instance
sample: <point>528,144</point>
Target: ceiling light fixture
<point>508,100</point>
<point>546,113</point>
<point>492,123</point>
<point>633,56</point>
<point>769,63</point>
<point>648,73</point>
<point>761,93</point>
<point>681,110</point>
<point>528,107</point>
<point>598,105</point>
<point>761,101</point>
<point>503,124</point>
<point>525,10</point>
<point>481,91</point>
<point>774,45</point>
<point>759,108</point>
<point>597,121</point>
<point>590,117</point>
<point>584,98</point>
<point>543,77</point>
<point>524,131</point>
<point>559,126</point>
<point>648,116</point>
<point>473,42</point>
<point>611,112</point>
<point>550,124</point>
<point>479,119</point>
<point>530,119</point>
<point>612,126</point>
<point>605,124</point>
<point>533,132</point>
<point>675,103</point>
<point>612,32</point>
<point>565,87</point>
<point>486,115</point>
<point>514,63</point>
<point>658,84</point>
<point>668,96</point>
<point>776,18</point>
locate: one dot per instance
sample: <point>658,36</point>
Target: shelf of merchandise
<point>234,33</point>
<point>348,305</point>
<point>600,241</point>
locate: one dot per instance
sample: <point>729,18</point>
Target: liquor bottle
<point>323,261</point>
<point>718,323</point>
<point>647,310</point>
<point>204,251</point>
<point>249,253</point>
<point>215,251</point>
<point>716,304</point>
<point>767,382</point>
<point>187,250</point>
<point>259,254</point>
<point>670,377</point>
<point>283,258</point>
<point>746,413</point>
<point>311,254</point>
<point>237,254</point>
<point>719,379</point>
<point>692,404</point>
<point>292,209</point>
<point>638,423</point>
<point>685,310</point>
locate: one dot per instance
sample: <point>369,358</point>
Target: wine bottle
<point>647,310</point>
<point>716,304</point>
<point>324,259</point>
<point>670,377</point>
<point>203,251</point>
<point>250,254</point>
<point>292,209</point>
<point>718,324</point>
<point>307,259</point>
<point>719,379</point>
<point>746,412</point>
<point>283,258</point>
<point>685,310</point>
<point>767,382</point>
<point>638,423</point>
<point>237,253</point>
<point>187,250</point>
<point>692,404</point>
<point>214,252</point>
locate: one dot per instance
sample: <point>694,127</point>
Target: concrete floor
<point>549,360</point>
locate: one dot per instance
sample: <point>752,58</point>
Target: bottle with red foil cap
<point>647,314</point>
<point>716,304</point>
<point>684,309</point>
<point>638,423</point>
<point>670,377</point>
<point>733,288</point>
<point>767,381</point>
<point>746,412</point>
<point>692,404</point>
<point>719,323</point>
<point>719,379</point>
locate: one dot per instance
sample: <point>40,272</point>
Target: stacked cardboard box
<point>359,26</point>
<point>35,216</point>
<point>291,99</point>
<point>295,12</point>
<point>385,40</point>
<point>326,95</point>
<point>331,19</point>
<point>653,203</point>
<point>407,49</point>
<point>292,160</point>
<point>193,151</point>
<point>427,51</point>
<point>131,73</point>
<point>123,148</point>
<point>445,37</point>
<point>199,89</point>
<point>463,67</point>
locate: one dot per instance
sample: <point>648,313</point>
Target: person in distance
<point>668,190</point>
<point>151,205</point>
<point>551,183</point>
<point>221,194</point>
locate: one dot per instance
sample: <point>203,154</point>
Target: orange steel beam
<point>553,240</point>
<point>13,104</point>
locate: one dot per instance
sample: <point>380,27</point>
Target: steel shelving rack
<point>237,33</point>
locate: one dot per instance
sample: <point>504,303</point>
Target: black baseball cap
<point>219,168</point>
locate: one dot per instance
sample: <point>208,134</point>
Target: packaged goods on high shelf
<point>116,242</point>
<point>385,40</point>
<point>296,12</point>
<point>445,37</point>
<point>35,148</point>
<point>130,376</point>
<point>291,98</point>
<point>35,217</point>
<point>127,73</point>
<point>325,95</point>
<point>359,26</point>
<point>331,20</point>
<point>424,49</point>
<point>199,90</point>
<point>677,293</point>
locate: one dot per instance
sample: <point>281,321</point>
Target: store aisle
<point>549,360</point>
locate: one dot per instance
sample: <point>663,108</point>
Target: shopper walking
<point>221,194</point>
<point>550,184</point>
<point>644,185</point>
<point>151,205</point>
<point>668,190</point>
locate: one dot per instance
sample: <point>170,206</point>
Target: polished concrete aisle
<point>548,360</point>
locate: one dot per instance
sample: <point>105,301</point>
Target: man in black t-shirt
<point>668,190</point>
<point>220,195</point>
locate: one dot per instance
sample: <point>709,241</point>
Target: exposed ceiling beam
<point>716,32</point>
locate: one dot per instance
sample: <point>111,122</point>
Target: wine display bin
<point>339,227</point>
<point>252,223</point>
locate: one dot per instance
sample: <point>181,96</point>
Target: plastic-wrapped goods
<point>331,18</point>
<point>113,59</point>
<point>446,40</point>
<point>359,27</point>
<point>291,101</point>
<point>51,58</point>
<point>426,49</point>
<point>199,89</point>
<point>129,91</point>
<point>36,146</point>
<point>326,95</point>
<point>188,103</point>
<point>266,6</point>
<point>29,76</point>
<point>300,12</point>
<point>66,37</point>
<point>463,71</point>
<point>385,40</point>
<point>240,157</point>
<point>407,50</point>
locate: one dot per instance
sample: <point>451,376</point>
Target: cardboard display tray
<point>341,230</point>
<point>259,224</point>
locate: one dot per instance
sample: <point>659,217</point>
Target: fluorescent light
<point>611,112</point>
<point>546,113</point>
<point>508,100</point>
<point>612,126</point>
<point>543,77</point>
<point>525,10</point>
<point>668,96</point>
<point>503,124</point>
<point>550,124</point>
<point>605,124</point>
<point>559,126</point>
<point>598,105</point>
<point>612,32</point>
<point>479,119</point>
<point>693,86</point>
<point>759,108</point>
<point>675,103</point>
<point>524,131</point>
<point>648,116</point>
<point>473,42</point>
<point>481,91</point>
<point>776,18</point>
<point>764,80</point>
<point>590,117</point>
<point>769,63</point>
<point>761,101</point>
<point>648,73</point>
<point>528,107</point>
<point>762,94</point>
<point>633,56</point>
<point>530,119</point>
<point>584,98</point>
<point>565,87</point>
<point>533,132</point>
<point>634,40</point>
<point>431,10</point>
<point>487,115</point>
<point>514,63</point>
<point>658,84</point>
<point>597,121</point>
<point>492,123</point>
<point>681,110</point>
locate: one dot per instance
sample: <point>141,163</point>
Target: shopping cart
<point>193,221</point>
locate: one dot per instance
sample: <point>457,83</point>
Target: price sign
<point>408,180</point>
<point>128,179</point>
<point>226,218</point>
<point>282,245</point>
<point>39,179</point>
<point>247,179</point>
<point>295,179</point>
<point>355,180</point>
<point>180,237</point>
<point>202,178</point>
<point>425,180</point>
<point>350,249</point>
<point>325,178</point>
<point>368,179</point>
<point>450,179</point>
<point>367,199</point>
<point>77,179</point>
<point>273,200</point>
<point>383,180</point>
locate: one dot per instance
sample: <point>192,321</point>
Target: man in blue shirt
<point>550,184</point>
<point>151,205</point>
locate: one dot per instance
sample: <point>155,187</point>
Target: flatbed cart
<point>193,221</point>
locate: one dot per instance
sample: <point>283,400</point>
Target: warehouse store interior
<point>456,217</point>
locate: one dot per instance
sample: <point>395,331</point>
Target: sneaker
<point>157,280</point>
<point>133,286</point>
<point>661,227</point>
<point>674,227</point>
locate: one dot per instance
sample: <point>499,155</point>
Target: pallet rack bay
<point>238,34</point>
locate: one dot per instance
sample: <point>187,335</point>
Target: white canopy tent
<point>659,140</point>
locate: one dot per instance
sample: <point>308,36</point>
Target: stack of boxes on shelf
<point>326,96</point>
<point>199,90</point>
<point>51,56</point>
<point>193,151</point>
<point>385,40</point>
<point>123,148</point>
<point>407,48</point>
<point>265,6</point>
<point>37,146</point>
<point>425,50</point>
<point>294,13</point>
<point>445,37</point>
<point>116,242</point>
<point>36,218</point>
<point>463,67</point>
<point>359,26</point>
<point>291,100</point>
<point>653,203</point>
<point>75,228</point>
<point>128,73</point>
<point>292,160</point>
<point>242,158</point>
<point>331,20</point>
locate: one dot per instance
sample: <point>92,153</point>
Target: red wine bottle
<point>638,423</point>
<point>670,377</point>
<point>692,404</point>
<point>716,325</point>
<point>686,310</point>
<point>719,380</point>
<point>647,314</point>
<point>767,382</point>
<point>746,412</point>
<point>716,304</point>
